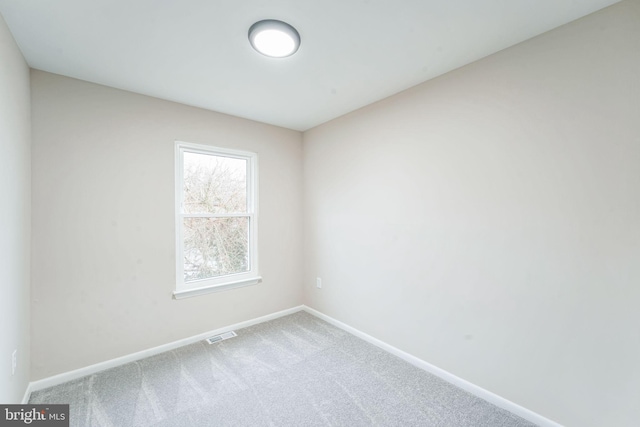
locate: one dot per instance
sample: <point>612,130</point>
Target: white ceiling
<point>196,52</point>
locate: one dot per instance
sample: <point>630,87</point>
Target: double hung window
<point>216,220</point>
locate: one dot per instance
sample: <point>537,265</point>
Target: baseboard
<point>27,394</point>
<point>490,397</point>
<point>92,369</point>
<point>447,376</point>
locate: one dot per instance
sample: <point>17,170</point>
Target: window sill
<point>187,293</point>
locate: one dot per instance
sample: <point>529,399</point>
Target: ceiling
<point>353,52</point>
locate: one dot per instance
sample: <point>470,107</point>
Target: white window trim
<point>231,281</point>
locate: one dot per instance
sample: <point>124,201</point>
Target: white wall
<point>15,217</point>
<point>103,223</point>
<point>488,221</point>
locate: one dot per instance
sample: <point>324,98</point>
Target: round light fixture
<point>274,38</point>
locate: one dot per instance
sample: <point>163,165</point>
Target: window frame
<point>230,281</point>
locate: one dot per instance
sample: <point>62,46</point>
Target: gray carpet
<point>294,371</point>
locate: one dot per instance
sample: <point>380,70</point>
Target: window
<point>216,222</point>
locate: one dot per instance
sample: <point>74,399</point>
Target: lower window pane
<point>215,247</point>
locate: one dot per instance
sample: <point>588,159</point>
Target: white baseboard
<point>490,397</point>
<point>27,395</point>
<point>447,376</point>
<point>92,369</point>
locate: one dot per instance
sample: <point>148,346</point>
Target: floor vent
<point>221,337</point>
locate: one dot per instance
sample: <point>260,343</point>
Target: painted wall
<point>488,221</point>
<point>103,223</point>
<point>15,217</point>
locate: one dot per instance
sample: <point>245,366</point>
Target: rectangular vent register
<point>221,337</point>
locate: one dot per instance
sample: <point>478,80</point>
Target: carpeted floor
<point>294,371</point>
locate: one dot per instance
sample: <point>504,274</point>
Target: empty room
<point>332,213</point>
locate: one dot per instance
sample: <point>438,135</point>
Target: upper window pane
<point>214,184</point>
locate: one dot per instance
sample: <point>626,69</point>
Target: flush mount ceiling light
<point>274,38</point>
